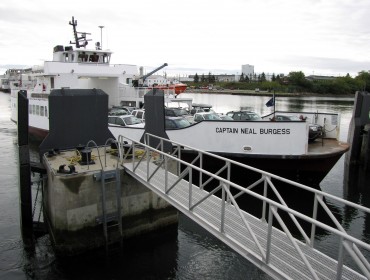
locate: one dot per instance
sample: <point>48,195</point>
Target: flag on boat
<point>271,102</point>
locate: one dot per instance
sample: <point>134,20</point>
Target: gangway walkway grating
<point>269,248</point>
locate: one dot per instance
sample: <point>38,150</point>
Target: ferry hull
<point>37,134</point>
<point>287,155</point>
<point>307,170</point>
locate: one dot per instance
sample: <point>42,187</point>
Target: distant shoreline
<point>266,93</point>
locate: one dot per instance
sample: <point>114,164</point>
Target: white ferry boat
<point>80,68</point>
<point>279,147</point>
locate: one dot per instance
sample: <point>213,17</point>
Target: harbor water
<point>185,252</point>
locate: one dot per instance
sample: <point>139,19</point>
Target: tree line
<point>294,82</point>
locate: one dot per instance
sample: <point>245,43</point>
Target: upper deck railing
<point>262,244</point>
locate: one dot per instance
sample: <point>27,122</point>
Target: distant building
<point>226,78</point>
<point>159,80</point>
<point>219,78</point>
<point>248,70</point>
<point>155,79</point>
<point>313,78</point>
<point>186,79</point>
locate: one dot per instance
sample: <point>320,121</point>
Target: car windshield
<point>253,116</point>
<point>180,123</point>
<point>226,118</point>
<point>132,120</point>
<point>211,117</point>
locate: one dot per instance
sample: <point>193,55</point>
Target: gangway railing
<point>258,239</point>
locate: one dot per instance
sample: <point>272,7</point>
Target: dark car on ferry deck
<point>115,111</point>
<point>175,112</point>
<point>315,131</point>
<point>121,110</point>
<point>176,122</point>
<point>226,117</point>
<point>178,112</point>
<point>244,115</point>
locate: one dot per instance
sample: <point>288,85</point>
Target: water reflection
<point>356,185</point>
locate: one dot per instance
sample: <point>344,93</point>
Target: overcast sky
<point>327,37</point>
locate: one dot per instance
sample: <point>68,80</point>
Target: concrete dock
<point>74,208</point>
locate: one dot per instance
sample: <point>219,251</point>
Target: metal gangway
<point>279,252</point>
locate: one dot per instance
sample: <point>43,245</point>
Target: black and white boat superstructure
<point>77,67</point>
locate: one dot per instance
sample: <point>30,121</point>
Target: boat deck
<point>322,147</point>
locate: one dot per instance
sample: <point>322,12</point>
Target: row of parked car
<point>176,118</point>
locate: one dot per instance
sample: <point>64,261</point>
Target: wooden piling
<point>358,133</point>
<point>25,195</point>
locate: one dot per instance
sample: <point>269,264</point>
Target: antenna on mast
<point>79,41</point>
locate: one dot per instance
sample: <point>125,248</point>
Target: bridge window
<point>106,58</point>
<point>82,57</point>
<point>94,58</point>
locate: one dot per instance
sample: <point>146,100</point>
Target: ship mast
<point>79,41</point>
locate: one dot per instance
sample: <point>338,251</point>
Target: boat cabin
<point>68,54</point>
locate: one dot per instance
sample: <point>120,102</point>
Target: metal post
<point>314,216</point>
<point>190,188</point>
<point>166,174</point>
<point>269,233</point>
<point>264,195</point>
<point>179,157</point>
<point>223,201</point>
<point>340,259</point>
<point>101,36</point>
<point>201,173</point>
<point>25,192</point>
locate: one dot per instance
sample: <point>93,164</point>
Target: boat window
<point>33,109</point>
<point>38,110</point>
<point>46,111</point>
<point>52,82</point>
<point>30,109</point>
<point>41,111</point>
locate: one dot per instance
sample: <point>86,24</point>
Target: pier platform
<point>90,205</point>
